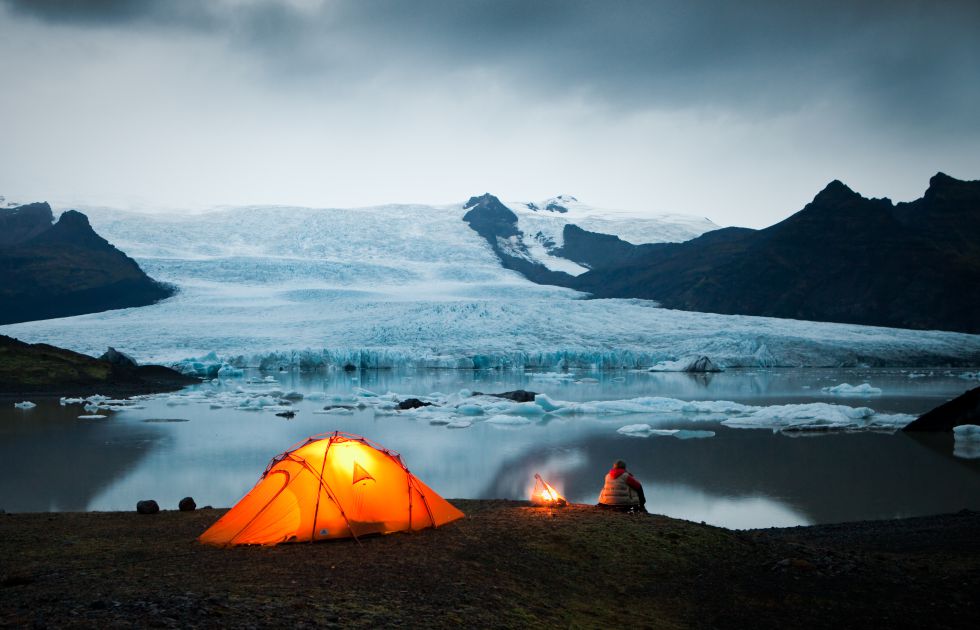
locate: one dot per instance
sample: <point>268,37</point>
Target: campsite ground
<point>505,565</point>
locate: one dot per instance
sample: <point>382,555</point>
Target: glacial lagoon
<point>212,441</point>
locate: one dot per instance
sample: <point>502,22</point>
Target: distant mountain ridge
<point>56,269</point>
<point>842,258</point>
<point>530,237</point>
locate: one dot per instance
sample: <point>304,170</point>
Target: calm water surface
<point>738,478</point>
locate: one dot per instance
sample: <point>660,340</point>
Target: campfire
<point>545,495</point>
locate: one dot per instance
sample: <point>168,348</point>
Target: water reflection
<point>739,478</point>
<point>54,462</point>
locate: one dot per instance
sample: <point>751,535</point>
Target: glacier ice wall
<point>413,285</point>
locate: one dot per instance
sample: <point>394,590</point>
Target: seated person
<point>622,491</point>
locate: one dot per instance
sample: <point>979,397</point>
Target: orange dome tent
<point>333,485</point>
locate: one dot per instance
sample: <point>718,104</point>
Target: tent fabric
<point>333,485</point>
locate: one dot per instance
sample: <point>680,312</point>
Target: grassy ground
<point>505,565</point>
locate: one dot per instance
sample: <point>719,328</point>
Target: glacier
<point>414,286</point>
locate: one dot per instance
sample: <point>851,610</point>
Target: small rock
<point>350,368</point>
<point>413,403</point>
<point>148,506</point>
<point>795,563</point>
<point>187,505</point>
<point>286,414</point>
<point>518,395</point>
<point>702,364</point>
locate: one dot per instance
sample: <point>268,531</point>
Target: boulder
<point>413,403</point>
<point>187,505</point>
<point>702,364</point>
<point>149,506</point>
<point>964,409</point>
<point>518,395</point>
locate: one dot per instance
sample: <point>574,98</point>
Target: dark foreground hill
<point>506,565</point>
<point>58,269</point>
<point>842,258</point>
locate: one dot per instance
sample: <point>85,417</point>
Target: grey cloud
<point>905,66</point>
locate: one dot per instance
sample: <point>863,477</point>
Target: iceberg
<point>846,389</point>
<point>966,441</point>
<point>25,405</point>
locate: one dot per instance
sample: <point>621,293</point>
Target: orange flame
<point>544,494</point>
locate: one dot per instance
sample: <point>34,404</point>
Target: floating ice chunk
<point>228,371</point>
<point>524,409</point>
<point>340,411</point>
<point>967,432</point>
<point>817,416</point>
<point>546,403</point>
<point>439,421</point>
<point>639,430</point>
<point>645,430</point>
<point>551,376</point>
<point>70,401</point>
<point>293,395</point>
<point>364,393</point>
<point>92,416</point>
<point>258,402</point>
<point>25,405</point>
<point>693,434</point>
<point>459,424</point>
<point>966,442</point>
<point>316,396</point>
<point>96,398</point>
<point>508,420</point>
<point>697,363</point>
<point>588,380</point>
<point>846,389</point>
<point>469,409</point>
<point>971,376</point>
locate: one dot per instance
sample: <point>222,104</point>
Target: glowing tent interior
<point>333,485</point>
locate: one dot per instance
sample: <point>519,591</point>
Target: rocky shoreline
<point>506,565</point>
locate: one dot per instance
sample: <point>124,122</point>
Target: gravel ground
<point>506,565</point>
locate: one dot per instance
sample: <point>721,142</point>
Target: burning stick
<point>545,495</point>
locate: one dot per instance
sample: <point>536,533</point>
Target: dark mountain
<point>24,222</point>
<point>65,268</point>
<point>498,225</point>
<point>842,258</point>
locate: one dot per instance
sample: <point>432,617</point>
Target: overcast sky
<point>738,111</point>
